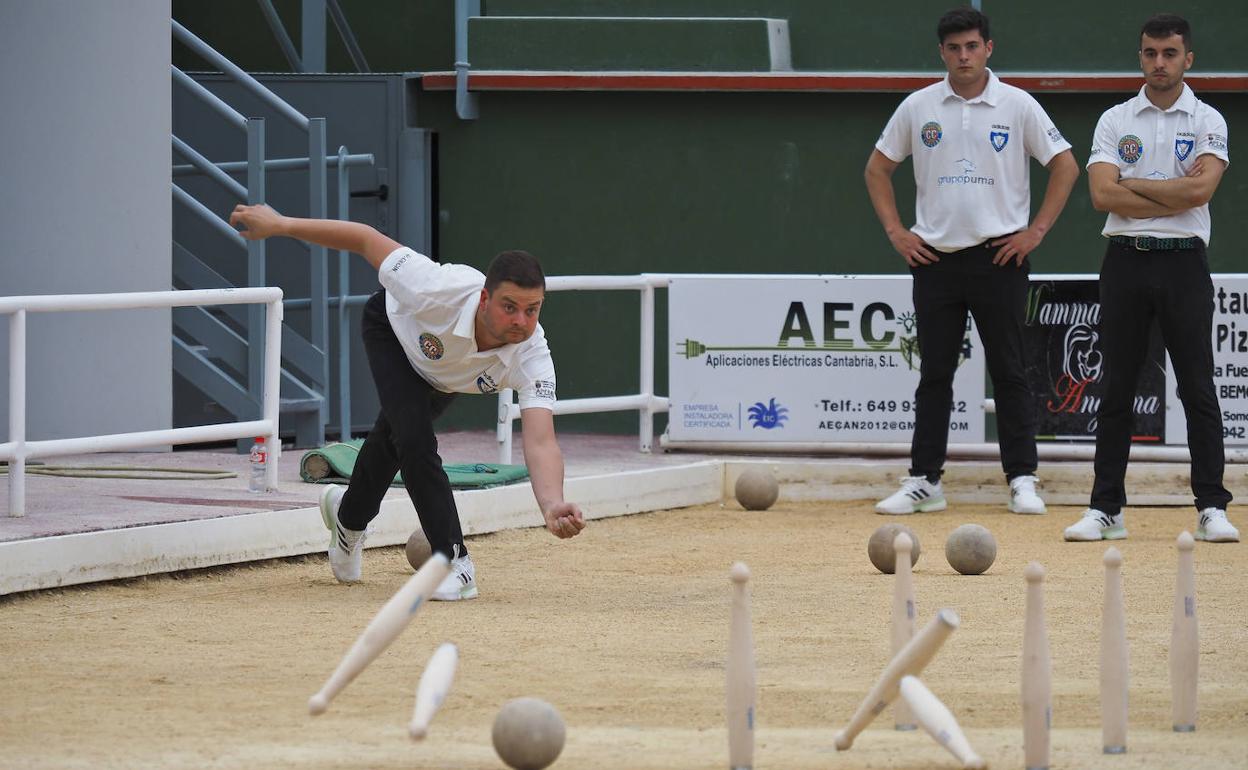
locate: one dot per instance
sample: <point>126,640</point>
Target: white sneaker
<point>346,546</point>
<point>1096,525</point>
<point>461,583</point>
<point>917,495</point>
<point>1213,527</point>
<point>1023,496</point>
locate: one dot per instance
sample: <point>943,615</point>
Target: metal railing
<point>645,402</point>
<point>315,361</point>
<point>17,450</point>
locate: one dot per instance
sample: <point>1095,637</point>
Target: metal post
<point>313,53</point>
<point>255,260</point>
<point>272,387</point>
<point>646,416</point>
<point>344,326</point>
<point>17,413</point>
<point>465,103</point>
<point>503,431</point>
<point>318,209</point>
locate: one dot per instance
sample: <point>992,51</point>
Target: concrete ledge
<point>64,560</point>
<point>629,43</point>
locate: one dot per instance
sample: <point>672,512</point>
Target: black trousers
<point>1174,287</point>
<point>402,439</point>
<point>996,296</point>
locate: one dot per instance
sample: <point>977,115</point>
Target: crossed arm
<point>545,461</point>
<point>1146,198</point>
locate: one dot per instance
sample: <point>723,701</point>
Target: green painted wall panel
<point>578,44</point>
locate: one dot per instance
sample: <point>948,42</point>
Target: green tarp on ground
<point>333,463</point>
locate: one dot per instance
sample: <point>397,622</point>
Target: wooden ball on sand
<point>528,733</point>
<point>418,549</point>
<point>880,547</point>
<point>756,489</point>
<point>971,549</point>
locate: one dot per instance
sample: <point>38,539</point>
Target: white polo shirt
<point>432,309</point>
<point>1146,142</point>
<point>971,159</point>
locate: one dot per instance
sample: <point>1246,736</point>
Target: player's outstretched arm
<point>879,178</point>
<point>1108,194</point>
<point>261,221</point>
<point>1184,192</point>
<point>545,461</point>
<point>1063,171</point>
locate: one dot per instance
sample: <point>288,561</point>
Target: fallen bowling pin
<point>911,661</point>
<point>434,685</point>
<point>939,722</point>
<point>385,626</point>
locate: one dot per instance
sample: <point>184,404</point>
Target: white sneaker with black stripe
<point>917,495</point>
<point>346,546</point>
<point>1023,495</point>
<point>461,583</point>
<point>1212,527</point>
<point>1096,525</point>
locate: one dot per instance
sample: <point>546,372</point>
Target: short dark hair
<point>1163,25</point>
<point>518,267</point>
<point>962,20</point>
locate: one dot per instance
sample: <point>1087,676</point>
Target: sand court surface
<point>625,631</point>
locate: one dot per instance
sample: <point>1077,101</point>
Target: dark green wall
<point>624,183</point>
<point>611,183</point>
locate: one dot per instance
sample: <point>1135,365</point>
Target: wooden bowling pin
<point>742,692</point>
<point>434,685</point>
<point>1113,659</point>
<point>385,626</point>
<point>939,722</point>
<point>911,661</point>
<point>1037,682</point>
<point>903,618</point>
<point>1184,639</point>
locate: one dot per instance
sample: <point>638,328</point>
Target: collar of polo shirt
<point>1186,102</point>
<point>990,95</point>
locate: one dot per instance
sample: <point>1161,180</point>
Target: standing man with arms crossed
<point>971,137</point>
<point>1156,161</point>
<point>435,330</point>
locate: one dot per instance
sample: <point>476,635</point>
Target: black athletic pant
<point>996,296</point>
<point>401,440</point>
<point>1174,287</point>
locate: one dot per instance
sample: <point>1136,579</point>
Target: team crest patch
<point>1130,148</point>
<point>1183,148</point>
<point>431,346</point>
<point>930,133</point>
<point>486,384</point>
<point>999,139</point>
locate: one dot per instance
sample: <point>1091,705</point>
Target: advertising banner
<point>1065,365</point>
<point>804,359</point>
<point>1230,365</point>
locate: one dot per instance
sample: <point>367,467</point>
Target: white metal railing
<point>17,450</point>
<point>645,401</point>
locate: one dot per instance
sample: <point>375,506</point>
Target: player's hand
<point>564,520</point>
<point>1198,167</point>
<point>1016,247</point>
<point>912,248</point>
<point>256,222</point>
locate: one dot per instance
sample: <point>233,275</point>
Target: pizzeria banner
<point>804,359</point>
<point>1230,364</point>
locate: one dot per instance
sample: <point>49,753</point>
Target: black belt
<point>1149,243</point>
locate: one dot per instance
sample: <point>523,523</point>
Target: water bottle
<point>259,461</point>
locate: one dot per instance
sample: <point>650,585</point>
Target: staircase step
<point>297,405</point>
<point>613,43</point>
